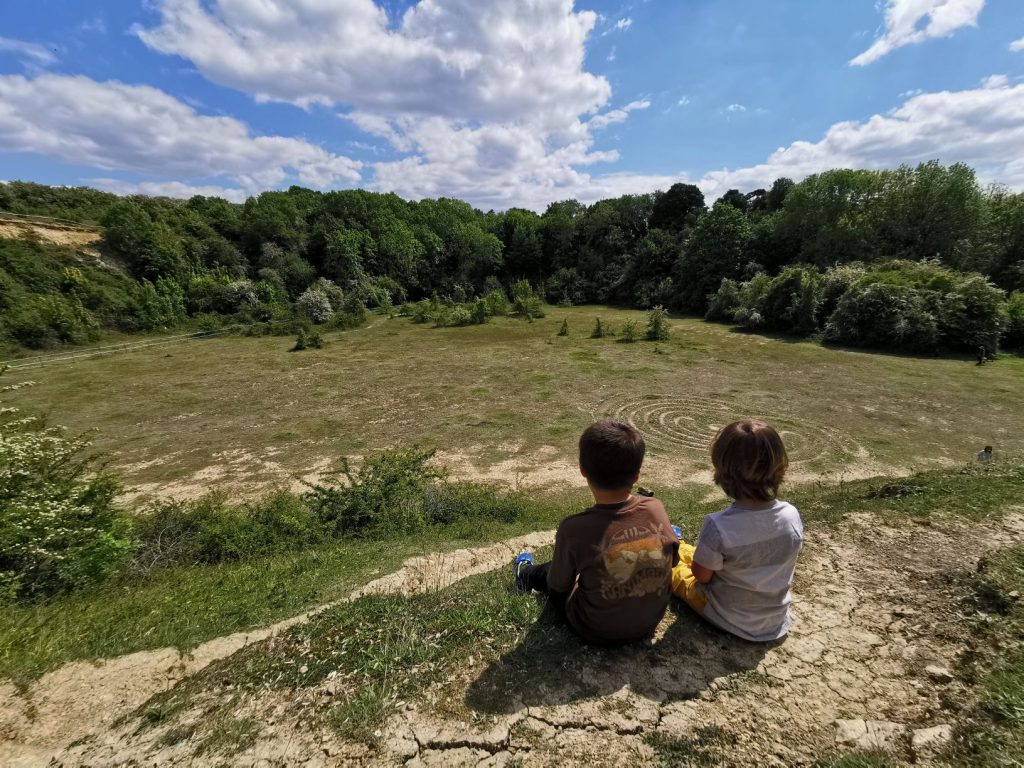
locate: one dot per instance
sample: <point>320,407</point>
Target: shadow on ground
<point>552,667</point>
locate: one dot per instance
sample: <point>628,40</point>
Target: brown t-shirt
<point>616,562</point>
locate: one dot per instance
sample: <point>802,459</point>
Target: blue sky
<point>503,102</point>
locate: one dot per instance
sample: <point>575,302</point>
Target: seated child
<point>739,575</point>
<point>612,566</point>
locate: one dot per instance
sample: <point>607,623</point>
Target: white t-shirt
<point>753,554</point>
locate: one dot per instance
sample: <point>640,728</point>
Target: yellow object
<point>684,585</point>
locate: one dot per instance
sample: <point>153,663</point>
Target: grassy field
<point>507,400</point>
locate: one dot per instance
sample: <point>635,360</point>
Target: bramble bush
<point>60,529</point>
<point>397,492</point>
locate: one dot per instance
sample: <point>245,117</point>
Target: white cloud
<point>913,21</point>
<point>479,60</point>
<point>734,108</point>
<point>619,26</point>
<point>167,189</point>
<point>113,126</point>
<point>616,115</point>
<point>32,52</point>
<point>486,99</point>
<point>995,81</point>
<point>1017,45</point>
<point>683,101</point>
<point>983,127</point>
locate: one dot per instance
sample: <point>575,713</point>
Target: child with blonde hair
<point>739,574</point>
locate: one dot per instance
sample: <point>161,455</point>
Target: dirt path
<point>82,698</point>
<point>866,666</point>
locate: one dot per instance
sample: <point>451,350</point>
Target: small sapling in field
<point>564,330</point>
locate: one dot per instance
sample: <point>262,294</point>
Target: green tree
<point>677,209</point>
<point>715,250</point>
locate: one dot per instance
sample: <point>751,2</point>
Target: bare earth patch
<point>866,666</point>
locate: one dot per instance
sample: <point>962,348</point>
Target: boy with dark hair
<point>612,566</point>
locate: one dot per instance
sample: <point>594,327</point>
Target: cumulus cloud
<point>482,60</point>
<point>734,108</point>
<point>114,126</point>
<point>913,21</point>
<point>1017,45</point>
<point>31,52</point>
<point>983,127</point>
<point>487,99</point>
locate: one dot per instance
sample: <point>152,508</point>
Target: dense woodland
<point>917,259</point>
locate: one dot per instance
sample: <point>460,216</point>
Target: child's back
<point>753,553</point>
<point>615,561</point>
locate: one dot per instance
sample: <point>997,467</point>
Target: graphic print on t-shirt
<point>636,562</point>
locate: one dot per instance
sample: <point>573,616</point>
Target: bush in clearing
<point>629,332</point>
<point>657,324</point>
<point>211,530</point>
<point>397,492</point>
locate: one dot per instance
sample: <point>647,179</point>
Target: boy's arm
<point>562,574</point>
<point>707,555</point>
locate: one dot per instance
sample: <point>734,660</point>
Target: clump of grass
<point>702,748</point>
<point>231,734</point>
<point>993,733</point>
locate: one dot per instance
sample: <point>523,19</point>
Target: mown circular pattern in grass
<point>686,424</point>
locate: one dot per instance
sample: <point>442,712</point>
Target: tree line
<point>919,259</point>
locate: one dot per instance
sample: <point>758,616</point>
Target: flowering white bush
<point>316,305</point>
<point>59,528</point>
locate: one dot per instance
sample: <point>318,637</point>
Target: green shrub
<point>882,315</point>
<point>526,303</point>
<point>497,303</point>
<point>478,314</point>
<point>60,529</point>
<point>315,305</point>
<point>791,302</point>
<point>564,329</point>
<point>209,530</point>
<point>598,331</point>
<point>629,332</point>
<point>1014,338</point>
<point>301,342</point>
<point>385,494</point>
<point>657,324</point>
<point>397,492</point>
<point>722,304</point>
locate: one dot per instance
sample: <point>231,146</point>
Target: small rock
<point>938,674</point>
<point>1015,595</point>
<point>331,689</point>
<point>928,742</point>
<point>303,669</point>
<point>869,734</point>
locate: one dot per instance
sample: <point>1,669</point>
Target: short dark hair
<point>749,459</point>
<point>611,453</point>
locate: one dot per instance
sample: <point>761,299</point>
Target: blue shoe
<point>678,532</point>
<point>522,559</point>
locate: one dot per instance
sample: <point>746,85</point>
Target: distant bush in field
<point>598,331</point>
<point>60,528</point>
<point>315,305</point>
<point>525,302</point>
<point>657,324</point>
<point>563,330</point>
<point>629,332</point>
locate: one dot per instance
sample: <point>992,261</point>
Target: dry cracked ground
<point>867,666</point>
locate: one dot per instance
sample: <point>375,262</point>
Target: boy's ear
<point>583,471</point>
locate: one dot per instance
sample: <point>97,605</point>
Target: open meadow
<point>506,401</point>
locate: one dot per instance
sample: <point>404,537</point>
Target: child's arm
<point>562,574</point>
<point>700,573</point>
<point>708,552</point>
